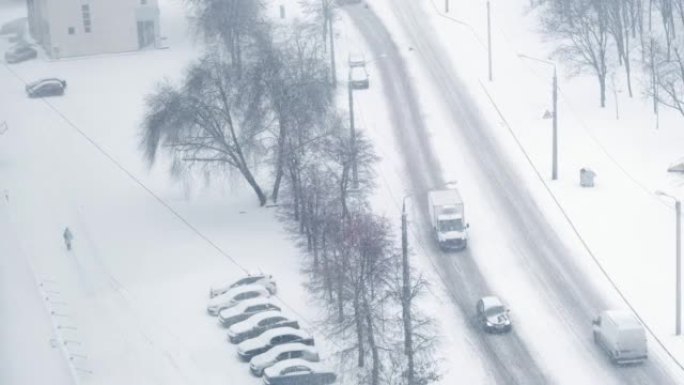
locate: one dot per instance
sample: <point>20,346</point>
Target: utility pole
<point>678,262</point>
<point>489,39</point>
<point>446,6</point>
<point>554,115</point>
<point>554,161</point>
<point>352,134</point>
<point>406,297</point>
<point>678,212</point>
<point>332,43</point>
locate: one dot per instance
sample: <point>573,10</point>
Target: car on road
<point>493,315</point>
<point>270,338</point>
<point>282,352</point>
<point>244,310</point>
<point>297,371</point>
<point>46,87</point>
<point>358,78</point>
<point>259,279</point>
<point>259,323</point>
<point>621,335</point>
<point>356,60</point>
<point>20,53</point>
<point>235,296</point>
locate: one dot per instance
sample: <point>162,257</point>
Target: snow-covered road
<point>515,250</point>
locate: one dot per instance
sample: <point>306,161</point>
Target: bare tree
<point>618,17</point>
<point>298,92</point>
<point>230,24</point>
<point>582,29</point>
<point>212,120</point>
<point>670,81</point>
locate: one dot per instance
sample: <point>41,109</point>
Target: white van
<point>621,335</point>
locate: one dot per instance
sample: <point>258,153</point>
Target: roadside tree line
<point>605,37</point>
<point>260,102</point>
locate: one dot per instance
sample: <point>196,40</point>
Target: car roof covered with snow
<point>242,306</point>
<point>278,368</point>
<point>272,353</point>
<point>230,294</point>
<point>266,337</point>
<point>251,322</point>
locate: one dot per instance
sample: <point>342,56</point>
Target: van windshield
<point>451,225</point>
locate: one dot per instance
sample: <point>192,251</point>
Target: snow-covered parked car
<point>259,279</point>
<point>259,323</point>
<point>244,310</point>
<point>493,315</point>
<point>270,338</point>
<point>46,87</point>
<point>282,352</point>
<point>356,60</point>
<point>358,78</point>
<point>298,372</point>
<point>235,296</point>
<point>20,53</point>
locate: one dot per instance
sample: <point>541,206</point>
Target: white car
<point>235,296</point>
<point>356,60</point>
<point>259,279</point>
<point>245,309</point>
<point>259,323</point>
<point>298,372</point>
<point>358,78</point>
<point>271,338</point>
<point>282,352</point>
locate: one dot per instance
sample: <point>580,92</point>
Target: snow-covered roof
<point>279,367</point>
<point>266,337</point>
<point>624,319</point>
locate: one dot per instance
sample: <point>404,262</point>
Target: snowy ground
<point>128,303</point>
<point>129,299</point>
<point>630,156</point>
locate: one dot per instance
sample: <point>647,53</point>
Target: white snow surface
<point>628,229</point>
<point>128,304</point>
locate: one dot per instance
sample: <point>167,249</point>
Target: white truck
<point>621,336</point>
<point>448,219</point>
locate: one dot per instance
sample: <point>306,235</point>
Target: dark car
<point>493,315</point>
<point>270,338</point>
<point>259,323</point>
<point>46,87</point>
<point>298,372</point>
<point>20,53</point>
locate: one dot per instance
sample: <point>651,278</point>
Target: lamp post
<point>678,267</point>
<point>554,101</point>
<point>406,295</point>
<point>352,133</point>
<point>489,39</point>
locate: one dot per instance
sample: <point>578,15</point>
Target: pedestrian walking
<point>68,237</point>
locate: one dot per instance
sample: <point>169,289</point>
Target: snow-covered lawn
<point>130,299</point>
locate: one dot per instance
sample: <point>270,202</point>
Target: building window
<point>72,30</point>
<point>85,11</point>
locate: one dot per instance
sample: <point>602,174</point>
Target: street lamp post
<point>489,39</point>
<point>352,134</point>
<point>678,267</point>
<point>406,295</point>
<point>554,102</point>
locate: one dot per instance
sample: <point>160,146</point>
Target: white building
<point>86,27</point>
